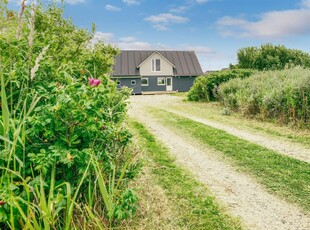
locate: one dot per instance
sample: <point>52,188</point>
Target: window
<point>144,81</point>
<point>133,82</point>
<point>155,65</point>
<point>161,81</point>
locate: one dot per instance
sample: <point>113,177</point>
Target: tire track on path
<point>289,149</point>
<point>241,194</point>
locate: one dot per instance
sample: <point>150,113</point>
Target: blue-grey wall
<point>153,85</point>
<point>127,82</point>
<point>182,84</point>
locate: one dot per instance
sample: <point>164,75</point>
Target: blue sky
<point>215,29</point>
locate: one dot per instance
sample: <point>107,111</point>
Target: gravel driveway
<point>241,194</point>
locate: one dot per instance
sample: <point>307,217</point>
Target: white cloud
<point>200,49</point>
<point>305,3</point>
<point>180,9</point>
<point>128,39</point>
<point>105,37</point>
<point>75,2</point>
<point>201,1</point>
<point>162,21</point>
<point>131,2</point>
<point>160,27</point>
<point>112,8</point>
<point>166,18</point>
<point>125,43</point>
<point>273,24</point>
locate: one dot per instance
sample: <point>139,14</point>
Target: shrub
<point>205,87</point>
<point>64,151</point>
<point>278,95</point>
<point>271,57</point>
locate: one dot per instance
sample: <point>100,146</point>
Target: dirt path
<point>242,196</point>
<point>284,147</point>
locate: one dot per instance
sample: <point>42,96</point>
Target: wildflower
<point>2,203</point>
<point>93,81</point>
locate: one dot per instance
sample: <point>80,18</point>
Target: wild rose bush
<point>64,149</point>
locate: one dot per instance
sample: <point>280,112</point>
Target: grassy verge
<point>284,176</point>
<point>193,204</point>
<point>213,111</point>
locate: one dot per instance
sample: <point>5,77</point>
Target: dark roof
<point>185,62</point>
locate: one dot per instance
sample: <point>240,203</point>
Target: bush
<point>278,95</point>
<point>64,149</point>
<point>271,57</point>
<point>205,87</point>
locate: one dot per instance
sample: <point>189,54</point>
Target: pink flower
<point>93,81</point>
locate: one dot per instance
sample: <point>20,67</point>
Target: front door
<point>169,84</point>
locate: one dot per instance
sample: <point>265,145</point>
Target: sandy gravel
<point>279,145</point>
<point>243,197</point>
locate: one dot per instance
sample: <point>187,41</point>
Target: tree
<point>271,57</point>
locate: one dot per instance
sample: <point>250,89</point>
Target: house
<point>153,71</point>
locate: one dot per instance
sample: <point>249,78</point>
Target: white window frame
<point>154,65</point>
<point>147,80</point>
<point>133,82</point>
<point>161,79</point>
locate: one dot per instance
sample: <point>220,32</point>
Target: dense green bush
<point>271,57</point>
<point>205,87</point>
<point>278,95</point>
<point>65,161</point>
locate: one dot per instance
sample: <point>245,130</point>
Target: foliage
<point>205,87</point>
<point>63,146</point>
<point>278,95</point>
<point>271,57</point>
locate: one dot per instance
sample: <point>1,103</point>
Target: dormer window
<point>155,65</point>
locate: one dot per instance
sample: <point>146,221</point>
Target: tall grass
<point>77,168</point>
<point>282,96</point>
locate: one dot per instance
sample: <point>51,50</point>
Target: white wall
<point>165,67</point>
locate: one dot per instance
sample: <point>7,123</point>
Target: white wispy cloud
<point>166,18</point>
<point>131,2</point>
<point>179,9</point>
<point>201,1</point>
<point>163,21</point>
<point>200,49</point>
<point>112,8</point>
<point>128,39</point>
<point>126,43</point>
<point>74,2</point>
<point>101,36</point>
<point>305,3</point>
<point>273,24</point>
